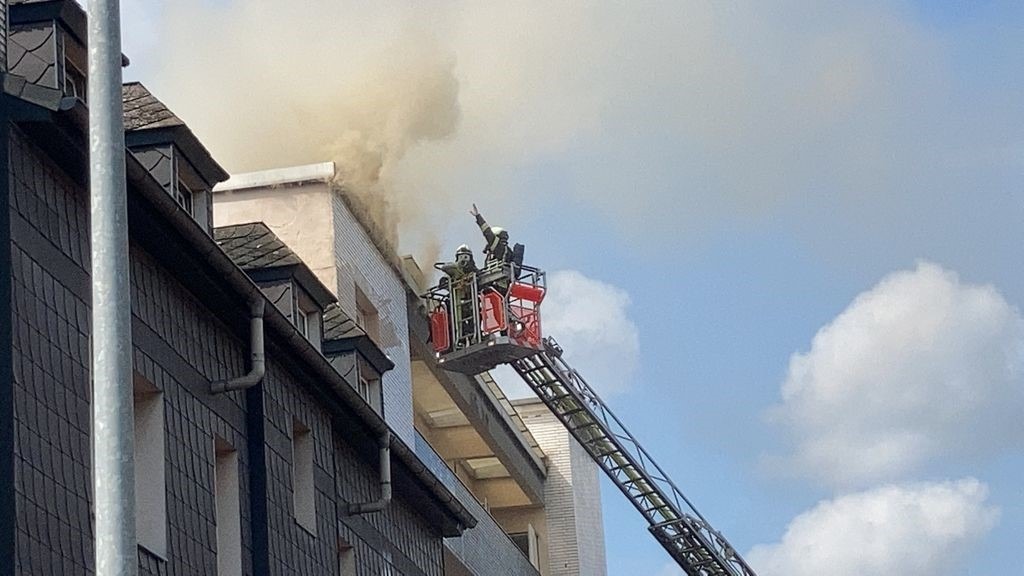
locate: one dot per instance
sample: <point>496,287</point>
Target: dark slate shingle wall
<point>33,50</point>
<point>395,538</point>
<point>51,382</point>
<point>178,347</point>
<point>159,162</point>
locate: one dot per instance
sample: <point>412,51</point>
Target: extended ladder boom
<point>699,549</point>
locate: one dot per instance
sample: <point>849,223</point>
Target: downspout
<point>258,361</point>
<point>354,508</point>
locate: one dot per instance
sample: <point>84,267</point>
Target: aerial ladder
<point>493,317</point>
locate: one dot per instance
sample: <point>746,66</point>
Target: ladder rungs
<point>619,455</point>
<point>604,454</point>
<point>572,412</point>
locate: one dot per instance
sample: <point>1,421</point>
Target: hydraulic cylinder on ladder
<point>493,317</point>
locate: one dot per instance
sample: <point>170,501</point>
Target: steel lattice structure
<point>699,549</point>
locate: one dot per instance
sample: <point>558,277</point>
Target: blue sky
<point>745,174</point>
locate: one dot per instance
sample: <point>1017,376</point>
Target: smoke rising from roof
<point>663,117</point>
<point>289,84</point>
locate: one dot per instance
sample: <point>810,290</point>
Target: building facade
<point>459,428</point>
<point>279,477</point>
<point>264,480</point>
<point>537,511</point>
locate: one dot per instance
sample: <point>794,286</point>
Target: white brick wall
<point>358,263</point>
<point>572,498</point>
<point>589,520</point>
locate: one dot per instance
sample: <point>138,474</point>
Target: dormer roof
<point>149,122</point>
<point>256,249</point>
<point>142,110</point>
<point>342,334</point>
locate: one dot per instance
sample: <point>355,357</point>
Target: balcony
<point>485,549</point>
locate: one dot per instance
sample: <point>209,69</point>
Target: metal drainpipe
<point>355,508</point>
<point>258,358</point>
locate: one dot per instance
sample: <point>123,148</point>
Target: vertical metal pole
<point>112,402</point>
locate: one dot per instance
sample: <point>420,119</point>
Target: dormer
<point>165,146</point>
<point>355,355</point>
<point>285,279</point>
<point>46,45</point>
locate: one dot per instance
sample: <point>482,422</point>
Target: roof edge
<point>320,172</point>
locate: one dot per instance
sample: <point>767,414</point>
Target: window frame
<point>306,315</point>
<point>367,315</point>
<point>303,477</point>
<point>227,505</point>
<point>368,378</point>
<point>150,456</point>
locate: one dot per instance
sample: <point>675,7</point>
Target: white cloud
<point>590,320</point>
<point>922,529</point>
<point>921,366</point>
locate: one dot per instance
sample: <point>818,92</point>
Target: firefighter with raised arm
<point>481,317</point>
<point>497,248</point>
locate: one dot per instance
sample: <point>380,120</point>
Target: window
<point>183,196</point>
<point>522,541</point>
<point>369,384</point>
<point>308,325</point>
<point>74,81</point>
<point>302,322</point>
<point>527,543</point>
<point>150,487</point>
<point>346,558</point>
<point>304,492</point>
<point>366,316</point>
<point>75,65</point>
<point>307,317</point>
<point>229,522</point>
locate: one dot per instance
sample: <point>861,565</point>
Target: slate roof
<point>342,334</point>
<point>143,111</point>
<point>256,249</point>
<point>253,246</point>
<point>338,325</point>
<point>263,256</point>
<point>147,121</point>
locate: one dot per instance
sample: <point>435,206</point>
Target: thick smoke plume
<point>289,84</point>
<point>664,118</point>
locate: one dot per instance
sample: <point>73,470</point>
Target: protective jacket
<point>496,248</point>
<point>457,272</point>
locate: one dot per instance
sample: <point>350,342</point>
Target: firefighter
<point>463,266</point>
<point>497,248</point>
<point>458,273</point>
